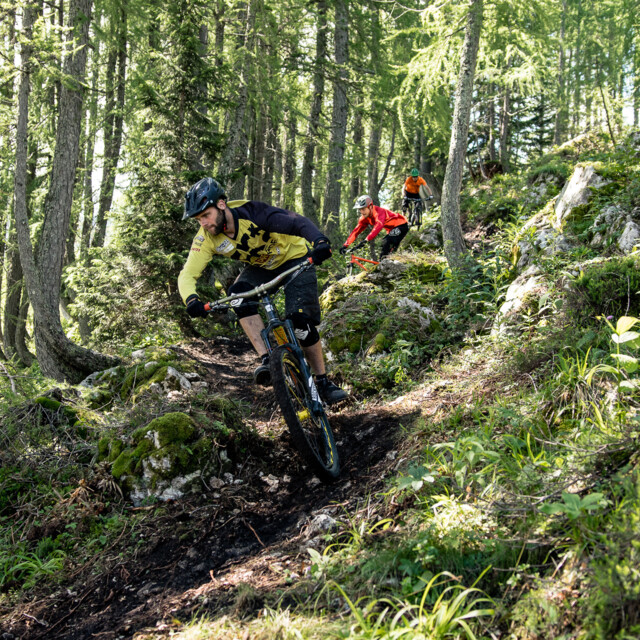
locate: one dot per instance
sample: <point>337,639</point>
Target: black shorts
<point>301,295</point>
<point>393,239</point>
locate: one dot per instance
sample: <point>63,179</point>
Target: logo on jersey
<point>226,246</point>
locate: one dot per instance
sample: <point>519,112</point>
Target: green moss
<point>103,448</point>
<point>379,343</point>
<point>125,463</point>
<point>171,427</point>
<point>140,378</point>
<point>48,403</point>
<point>99,398</point>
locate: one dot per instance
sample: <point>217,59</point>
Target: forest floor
<point>232,548</point>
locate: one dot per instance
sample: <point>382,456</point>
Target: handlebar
<point>352,248</point>
<point>223,303</point>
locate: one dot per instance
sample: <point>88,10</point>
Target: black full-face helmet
<point>203,194</point>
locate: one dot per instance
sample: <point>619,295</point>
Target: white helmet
<point>363,201</point>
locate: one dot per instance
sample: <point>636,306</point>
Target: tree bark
<point>268,163</point>
<point>233,164</point>
<point>113,128</point>
<point>90,136</point>
<point>257,159</point>
<point>504,129</point>
<point>491,115</point>
<point>289,162</point>
<point>309,203</point>
<point>331,208</point>
<point>355,187</point>
<point>58,357</point>
<point>373,156</point>
<point>561,106</point>
<point>454,246</point>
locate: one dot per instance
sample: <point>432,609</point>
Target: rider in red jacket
<point>379,218</point>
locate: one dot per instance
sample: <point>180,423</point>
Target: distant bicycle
<point>292,380</point>
<point>412,209</point>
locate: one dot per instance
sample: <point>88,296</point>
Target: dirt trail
<point>254,531</point>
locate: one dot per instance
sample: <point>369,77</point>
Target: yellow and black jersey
<point>265,236</point>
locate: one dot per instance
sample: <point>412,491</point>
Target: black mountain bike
<point>292,380</point>
<point>412,209</point>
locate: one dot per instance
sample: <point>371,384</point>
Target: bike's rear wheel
<point>311,434</point>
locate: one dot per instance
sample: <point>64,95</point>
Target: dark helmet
<point>414,173</point>
<point>203,194</point>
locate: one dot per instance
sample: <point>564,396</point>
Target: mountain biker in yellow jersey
<point>379,218</point>
<point>269,240</point>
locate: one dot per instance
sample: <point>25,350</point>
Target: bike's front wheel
<point>311,434</point>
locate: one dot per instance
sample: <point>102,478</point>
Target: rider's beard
<point>218,226</point>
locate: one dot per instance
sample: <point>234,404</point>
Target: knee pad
<point>242,308</point>
<point>304,329</point>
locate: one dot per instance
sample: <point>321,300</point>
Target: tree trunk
<point>256,177</point>
<point>492,123</point>
<point>268,163</point>
<point>504,129</point>
<point>90,136</point>
<point>289,162</point>
<point>389,157</point>
<point>113,128</point>
<point>561,105</point>
<point>58,357</point>
<point>233,164</point>
<point>355,187</point>
<point>331,208</point>
<point>454,246</point>
<point>25,356</point>
<point>309,204</point>
<point>373,156</point>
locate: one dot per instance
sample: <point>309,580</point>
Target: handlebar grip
<point>207,306</point>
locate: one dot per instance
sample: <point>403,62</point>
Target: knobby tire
<point>311,435</point>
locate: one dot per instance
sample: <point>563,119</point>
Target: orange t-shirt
<point>413,186</point>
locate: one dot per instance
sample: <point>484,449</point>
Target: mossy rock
<point>48,403</point>
<point>109,448</point>
<point>168,429</point>
<point>63,414</point>
<point>167,457</point>
<point>140,377</point>
<point>379,343</point>
<point>99,398</point>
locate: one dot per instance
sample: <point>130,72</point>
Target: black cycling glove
<point>343,249</point>
<point>359,245</point>
<point>321,250</point>
<point>195,307</point>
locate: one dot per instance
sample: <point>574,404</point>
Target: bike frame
<point>414,207</point>
<point>358,260</point>
<point>282,330</point>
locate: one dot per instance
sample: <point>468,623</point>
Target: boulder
<point>630,237</point>
<point>523,294</point>
<point>167,458</point>
<point>576,192</point>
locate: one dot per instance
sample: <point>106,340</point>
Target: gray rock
<point>577,192</point>
<point>630,237</point>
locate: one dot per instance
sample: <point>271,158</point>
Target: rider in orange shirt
<point>379,218</point>
<point>411,189</point>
